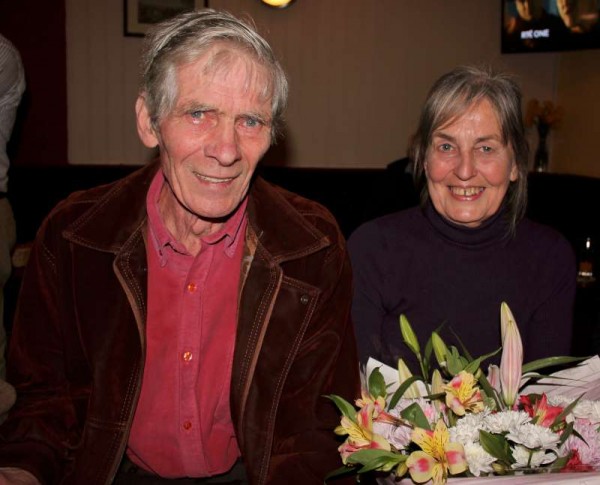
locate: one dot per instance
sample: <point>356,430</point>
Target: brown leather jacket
<point>77,353</point>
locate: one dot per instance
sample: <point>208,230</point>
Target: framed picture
<point>139,15</point>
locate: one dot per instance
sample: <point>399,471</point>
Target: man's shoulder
<point>280,204</point>
<point>108,205</point>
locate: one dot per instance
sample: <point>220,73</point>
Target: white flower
<point>584,409</point>
<point>398,436</point>
<point>504,421</point>
<point>467,428</point>
<point>526,458</point>
<point>589,450</point>
<point>534,437</point>
<point>479,460</point>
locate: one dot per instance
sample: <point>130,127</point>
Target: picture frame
<point>140,15</point>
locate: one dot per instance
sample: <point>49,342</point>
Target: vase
<point>540,160</point>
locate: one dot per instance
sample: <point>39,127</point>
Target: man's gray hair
<point>450,97</point>
<point>184,38</point>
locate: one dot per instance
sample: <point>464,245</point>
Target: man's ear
<point>145,127</point>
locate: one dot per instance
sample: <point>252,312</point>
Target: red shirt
<point>182,424</point>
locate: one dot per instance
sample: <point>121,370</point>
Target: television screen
<point>550,25</point>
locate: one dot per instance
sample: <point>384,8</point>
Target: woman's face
<point>468,167</point>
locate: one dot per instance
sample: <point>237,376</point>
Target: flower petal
<point>420,466</point>
<point>456,458</point>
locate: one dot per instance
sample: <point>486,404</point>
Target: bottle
<point>585,270</point>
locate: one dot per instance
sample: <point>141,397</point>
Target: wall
<point>359,72</point>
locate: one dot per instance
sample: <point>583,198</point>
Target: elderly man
<point>190,314</point>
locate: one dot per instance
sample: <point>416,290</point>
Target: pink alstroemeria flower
<point>360,434</point>
<point>437,458</point>
<point>541,410</point>
<point>511,363</point>
<point>463,395</point>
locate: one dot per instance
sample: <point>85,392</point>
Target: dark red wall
<point>37,29</point>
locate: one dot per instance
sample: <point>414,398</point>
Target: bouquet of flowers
<point>454,419</point>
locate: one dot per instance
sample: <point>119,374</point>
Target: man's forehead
<point>225,65</point>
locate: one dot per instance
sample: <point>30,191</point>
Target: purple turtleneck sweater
<point>417,263</point>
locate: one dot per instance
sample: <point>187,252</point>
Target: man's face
<point>566,10</point>
<point>529,9</point>
<point>212,140</point>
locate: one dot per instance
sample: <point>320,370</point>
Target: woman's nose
<point>466,169</point>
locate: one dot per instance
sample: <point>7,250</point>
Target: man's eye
<point>486,149</point>
<point>445,147</point>
<point>252,122</point>
<point>197,115</point>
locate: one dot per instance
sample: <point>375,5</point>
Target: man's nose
<point>466,168</point>
<point>223,144</point>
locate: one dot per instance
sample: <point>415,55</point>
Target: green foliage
<point>402,389</point>
<point>344,406</point>
<point>497,446</point>
<point>415,415</point>
<point>377,386</point>
<point>376,460</point>
<point>550,362</point>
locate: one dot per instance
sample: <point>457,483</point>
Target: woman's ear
<point>514,172</point>
<point>145,127</point>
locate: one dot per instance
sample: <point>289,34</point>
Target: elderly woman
<point>467,248</point>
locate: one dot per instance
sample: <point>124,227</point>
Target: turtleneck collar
<point>494,230</point>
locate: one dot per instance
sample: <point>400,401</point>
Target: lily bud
<point>511,363</point>
<point>439,349</point>
<point>409,336</point>
<point>437,387</point>
<point>403,374</point>
<point>493,376</point>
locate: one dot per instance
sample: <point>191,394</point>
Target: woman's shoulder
<point>543,240</point>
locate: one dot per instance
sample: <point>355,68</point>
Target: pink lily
<point>511,363</point>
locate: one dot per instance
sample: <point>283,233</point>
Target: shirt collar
<point>161,237</point>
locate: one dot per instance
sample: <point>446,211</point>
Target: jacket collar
<point>283,233</point>
<point>114,214</point>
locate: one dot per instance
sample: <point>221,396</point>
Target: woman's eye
<point>445,147</point>
<point>486,149</point>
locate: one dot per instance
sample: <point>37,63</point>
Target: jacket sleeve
<point>42,426</point>
<point>305,448</point>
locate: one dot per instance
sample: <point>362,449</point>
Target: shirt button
<point>187,356</point>
<point>187,425</point>
<point>191,287</point>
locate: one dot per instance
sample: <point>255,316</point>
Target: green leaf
<point>345,470</point>
<point>402,389</point>
<point>550,362</point>
<point>344,406</point>
<point>566,433</point>
<point>489,391</point>
<point>376,460</point>
<point>565,411</point>
<point>377,385</point>
<point>497,446</point>
<point>415,415</point>
<point>475,364</point>
<point>560,462</point>
<point>454,362</point>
